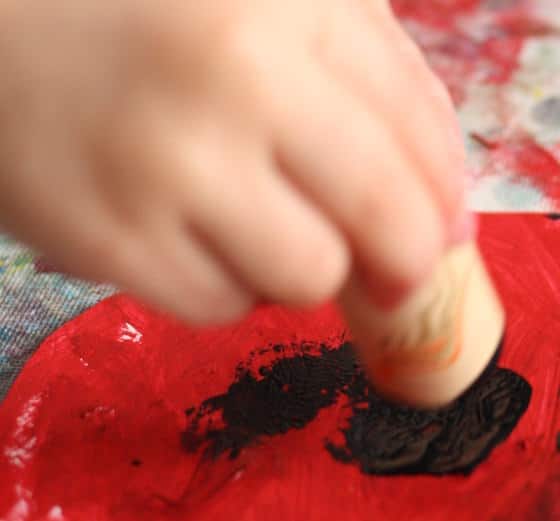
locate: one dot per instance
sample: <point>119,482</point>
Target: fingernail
<point>391,298</point>
<point>464,229</point>
<point>382,296</point>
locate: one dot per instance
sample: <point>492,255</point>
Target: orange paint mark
<point>421,360</point>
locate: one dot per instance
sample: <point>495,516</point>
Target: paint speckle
<point>99,416</point>
<point>130,334</point>
<point>238,475</point>
<point>20,510</point>
<point>20,450</point>
<point>547,112</point>
<point>55,514</point>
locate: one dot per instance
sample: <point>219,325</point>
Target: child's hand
<point>207,154</point>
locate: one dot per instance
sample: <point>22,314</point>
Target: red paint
<point>42,265</point>
<point>461,58</point>
<point>490,144</point>
<point>110,388</point>
<point>538,165</point>
<point>525,26</point>
<point>502,55</point>
<point>528,161</point>
<point>436,13</point>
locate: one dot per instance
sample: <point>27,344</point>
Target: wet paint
<point>93,427</point>
<point>379,437</point>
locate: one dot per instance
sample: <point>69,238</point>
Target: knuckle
<point>313,275</point>
<point>246,66</point>
<point>399,238</point>
<point>216,304</point>
<point>368,206</point>
<point>95,246</point>
<point>237,41</point>
<point>412,272</point>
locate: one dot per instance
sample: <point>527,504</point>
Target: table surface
<point>501,61</point>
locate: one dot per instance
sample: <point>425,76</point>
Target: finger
<point>274,240</point>
<point>365,41</point>
<point>172,269</point>
<point>164,261</point>
<point>350,163</point>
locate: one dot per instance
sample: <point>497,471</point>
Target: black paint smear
<point>553,216</point>
<point>387,439</point>
<point>286,395</point>
<point>380,437</point>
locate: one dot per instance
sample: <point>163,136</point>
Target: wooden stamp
<point>435,345</point>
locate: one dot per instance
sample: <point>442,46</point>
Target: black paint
<point>387,439</point>
<point>380,437</point>
<point>286,395</point>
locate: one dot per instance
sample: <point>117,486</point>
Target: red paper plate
<point>94,427</point>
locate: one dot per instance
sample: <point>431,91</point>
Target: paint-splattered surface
<point>501,61</point>
<point>93,427</point>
